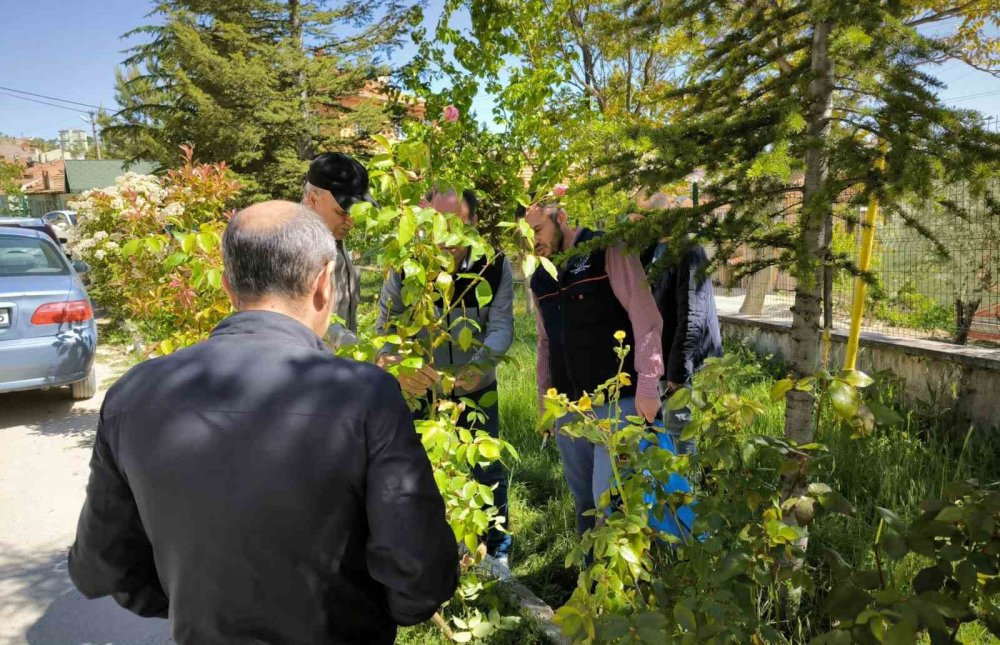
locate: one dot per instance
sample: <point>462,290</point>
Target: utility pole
<point>93,130</point>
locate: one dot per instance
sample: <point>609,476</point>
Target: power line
<point>969,97</point>
<point>65,107</point>
<point>51,98</point>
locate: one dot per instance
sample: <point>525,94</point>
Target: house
<point>51,186</point>
<point>17,152</point>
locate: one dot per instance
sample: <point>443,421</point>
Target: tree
<point>257,83</point>
<point>11,191</point>
<point>792,102</point>
<point>563,79</point>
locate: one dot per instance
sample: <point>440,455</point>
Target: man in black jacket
<point>684,296</point>
<point>255,488</point>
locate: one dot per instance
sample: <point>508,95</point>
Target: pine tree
<point>256,83</point>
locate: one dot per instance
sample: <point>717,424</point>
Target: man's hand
<point>415,382</point>
<point>469,379</point>
<point>647,407</point>
<point>419,381</point>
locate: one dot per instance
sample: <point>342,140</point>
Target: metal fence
<point>944,285</point>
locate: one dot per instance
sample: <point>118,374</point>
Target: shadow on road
<point>30,583</point>
<point>49,413</point>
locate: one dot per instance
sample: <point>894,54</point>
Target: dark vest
<point>492,275</point>
<point>581,314</point>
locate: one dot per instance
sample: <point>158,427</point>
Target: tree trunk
<point>757,286</point>
<point>304,145</point>
<point>808,270</point>
<point>965,314</point>
<point>812,240</point>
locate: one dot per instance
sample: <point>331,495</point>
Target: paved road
<point>45,442</point>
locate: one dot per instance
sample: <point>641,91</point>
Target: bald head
<point>275,249</point>
<point>268,214</point>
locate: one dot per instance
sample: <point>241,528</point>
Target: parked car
<point>63,222</point>
<point>34,224</point>
<point>48,337</point>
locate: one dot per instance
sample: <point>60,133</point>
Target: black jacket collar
<point>269,323</point>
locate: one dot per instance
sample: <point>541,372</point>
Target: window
<point>23,256</point>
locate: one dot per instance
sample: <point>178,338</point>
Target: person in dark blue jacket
<point>683,293</point>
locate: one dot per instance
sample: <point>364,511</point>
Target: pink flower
<point>451,114</point>
<point>559,190</point>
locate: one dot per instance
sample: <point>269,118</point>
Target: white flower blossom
<point>175,209</point>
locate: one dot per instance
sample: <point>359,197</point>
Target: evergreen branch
<point>938,16</point>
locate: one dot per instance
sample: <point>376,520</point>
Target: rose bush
<point>154,249</point>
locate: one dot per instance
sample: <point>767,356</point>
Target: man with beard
<point>593,296</point>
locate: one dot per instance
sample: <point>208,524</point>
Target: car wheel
<point>86,388</point>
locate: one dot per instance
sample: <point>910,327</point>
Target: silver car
<point>48,336</point>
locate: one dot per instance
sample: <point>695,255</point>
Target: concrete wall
<point>962,380</point>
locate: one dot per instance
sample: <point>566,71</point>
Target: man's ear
<point>323,292</point>
<point>229,292</point>
<point>562,218</point>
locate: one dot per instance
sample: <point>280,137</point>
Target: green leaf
<point>846,601</point>
<point>856,378</point>
<point>806,384</point>
<point>529,265</point>
<point>407,228</point>
<point>836,637</point>
<point>844,399</point>
<point>482,630</point>
<point>549,267</point>
<point>489,448</point>
<point>131,247</point>
<point>462,637</point>
<point>893,520</point>
<point>489,399</point>
<point>206,241</point>
<point>679,400</point>
<point>484,293</point>
<point>685,617</point>
<point>967,577</point>
<point>902,633</point>
<point>176,259</point>
<point>383,141</point>
<point>215,278</point>
<point>651,627</point>
<point>884,416</point>
<point>929,579</point>
<point>951,514</point>
<point>465,338</point>
<point>834,502</point>
<point>781,388</point>
<point>611,627</point>
<point>895,546</point>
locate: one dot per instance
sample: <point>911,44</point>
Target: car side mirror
<point>80,266</point>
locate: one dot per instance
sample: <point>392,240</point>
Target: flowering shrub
<point>153,246</point>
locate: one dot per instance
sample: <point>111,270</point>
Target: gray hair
<point>309,188</point>
<point>278,259</point>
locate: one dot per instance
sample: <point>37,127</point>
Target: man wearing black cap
<point>335,183</point>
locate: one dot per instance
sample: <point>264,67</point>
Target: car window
<point>29,256</point>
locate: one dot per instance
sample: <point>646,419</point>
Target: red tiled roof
<point>35,178</point>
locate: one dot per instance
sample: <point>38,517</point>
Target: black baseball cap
<point>343,176</point>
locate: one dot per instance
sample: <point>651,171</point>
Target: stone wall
<point>964,381</point>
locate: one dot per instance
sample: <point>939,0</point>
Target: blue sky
<point>70,48</point>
